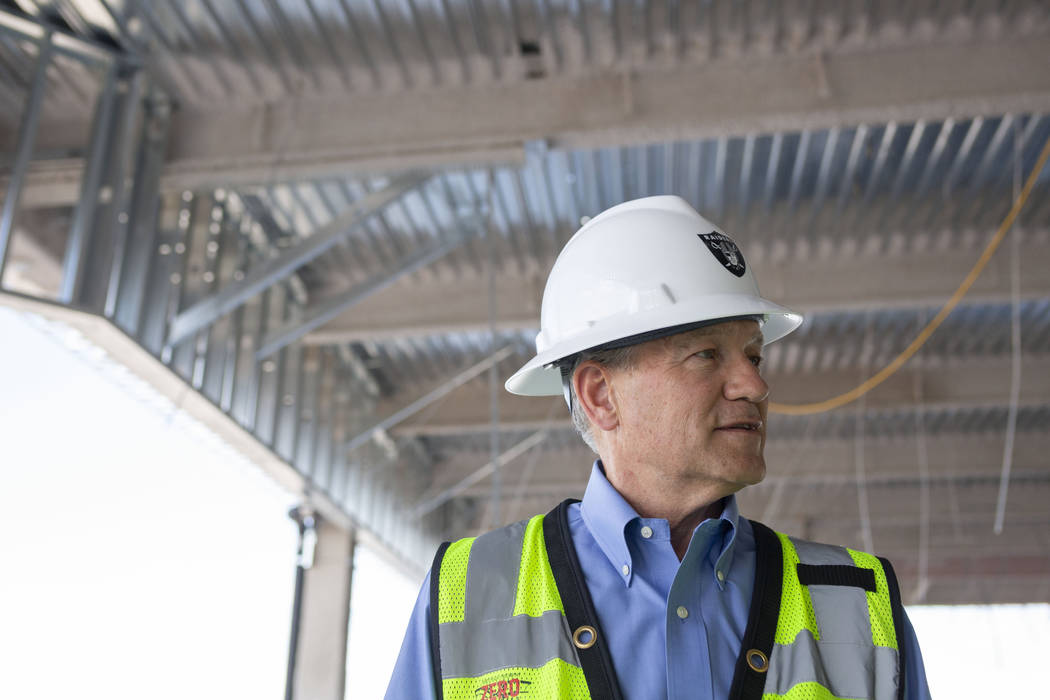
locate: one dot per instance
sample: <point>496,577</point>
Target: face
<point>691,410</point>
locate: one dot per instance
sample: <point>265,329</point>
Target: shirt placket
<point>687,639</point>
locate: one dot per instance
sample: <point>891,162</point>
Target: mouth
<point>745,426</point>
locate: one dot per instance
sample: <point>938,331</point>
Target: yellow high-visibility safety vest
<point>510,616</point>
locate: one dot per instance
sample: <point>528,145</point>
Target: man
<point>652,326</point>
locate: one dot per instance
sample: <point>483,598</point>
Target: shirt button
<point>647,532</point>
<point>626,569</point>
<point>721,576</point>
<point>682,612</point>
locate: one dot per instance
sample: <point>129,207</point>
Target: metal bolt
<point>105,194</point>
<point>187,196</point>
<point>269,366</point>
<point>164,249</point>
<point>176,278</point>
<point>212,247</point>
<point>180,248</point>
<point>288,400</point>
<point>238,275</point>
<point>208,276</point>
<point>122,217</point>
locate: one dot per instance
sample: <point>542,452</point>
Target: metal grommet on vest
<point>584,637</point>
<point>757,660</point>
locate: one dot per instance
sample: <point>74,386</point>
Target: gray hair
<point>615,358</point>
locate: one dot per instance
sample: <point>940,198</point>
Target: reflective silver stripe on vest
<point>491,637</point>
<point>844,660</point>
<point>847,670</point>
<point>492,574</point>
<point>472,650</point>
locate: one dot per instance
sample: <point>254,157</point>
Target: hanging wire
<point>494,383</point>
<point>924,335</point>
<point>863,506</point>
<point>922,583</point>
<point>772,509</point>
<point>530,466</point>
<point>1015,342</point>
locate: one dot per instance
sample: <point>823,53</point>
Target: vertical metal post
<point>26,139</point>
<point>84,213</point>
<point>107,228</point>
<point>129,288</point>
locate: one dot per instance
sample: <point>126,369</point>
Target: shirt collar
<point>607,514</point>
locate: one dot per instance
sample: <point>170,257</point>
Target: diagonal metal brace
<point>325,310</point>
<point>424,401</point>
<point>211,308</point>
<point>428,504</point>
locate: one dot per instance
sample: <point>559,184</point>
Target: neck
<point>683,505</point>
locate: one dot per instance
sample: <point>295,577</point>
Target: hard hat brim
<point>539,376</point>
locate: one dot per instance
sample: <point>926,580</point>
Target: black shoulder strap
<point>748,683</point>
<point>576,599</point>
<point>432,620</point>
<point>898,622</point>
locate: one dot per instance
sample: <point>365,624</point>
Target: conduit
<point>1015,352</point>
<point>924,335</point>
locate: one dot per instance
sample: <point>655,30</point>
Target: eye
<point>708,354</point>
<point>756,360</point>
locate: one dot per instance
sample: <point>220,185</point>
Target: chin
<point>753,474</point>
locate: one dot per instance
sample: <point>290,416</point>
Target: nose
<point>745,382</point>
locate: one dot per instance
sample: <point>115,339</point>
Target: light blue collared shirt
<point>673,627</point>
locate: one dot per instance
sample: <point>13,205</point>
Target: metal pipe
<point>26,139</point>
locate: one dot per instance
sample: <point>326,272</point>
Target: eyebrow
<point>757,338</point>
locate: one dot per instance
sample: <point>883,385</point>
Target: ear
<point>592,384</point>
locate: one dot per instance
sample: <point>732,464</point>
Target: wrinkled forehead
<point>745,331</point>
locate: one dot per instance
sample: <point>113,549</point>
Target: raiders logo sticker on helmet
<point>725,251</point>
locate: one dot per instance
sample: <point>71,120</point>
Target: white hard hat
<point>641,267</point>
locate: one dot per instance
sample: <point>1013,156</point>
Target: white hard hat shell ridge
<point>639,267</point>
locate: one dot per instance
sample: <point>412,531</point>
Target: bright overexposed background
<point>144,558</point>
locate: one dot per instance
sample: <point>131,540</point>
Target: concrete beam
<point>240,144</point>
<point>963,383</point>
<point>294,138</point>
<point>847,282</point>
<point>320,670</point>
<point>971,458</point>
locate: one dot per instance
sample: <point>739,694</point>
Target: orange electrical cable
<point>886,372</point>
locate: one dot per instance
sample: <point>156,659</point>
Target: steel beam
<point>209,309</point>
<point>488,469</point>
<point>325,310</point>
<point>22,26</point>
<point>26,138</point>
<point>842,282</point>
<point>432,396</point>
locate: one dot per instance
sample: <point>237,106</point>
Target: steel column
<point>26,139</point>
<point>80,231</point>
